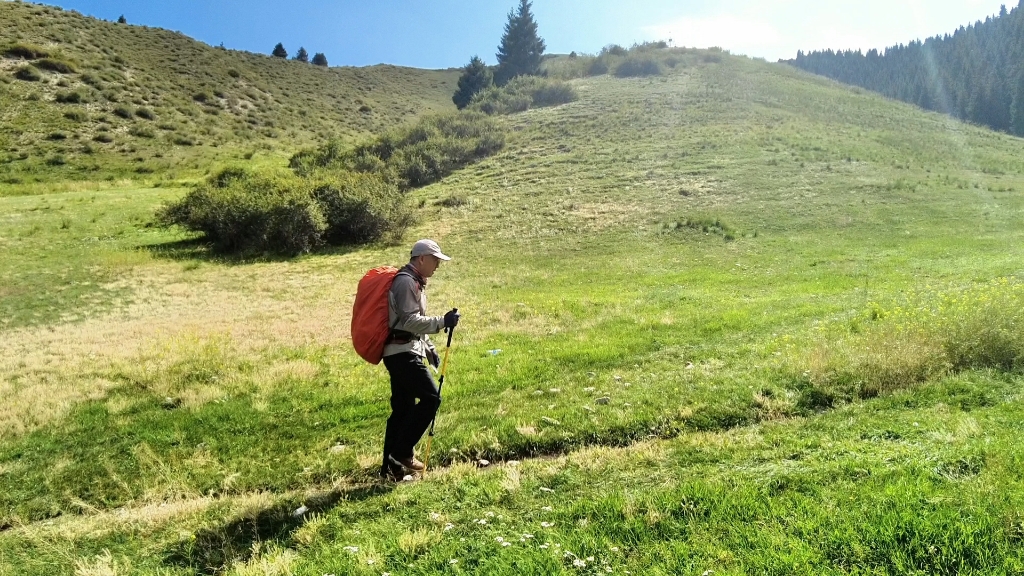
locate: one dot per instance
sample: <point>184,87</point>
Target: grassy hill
<point>106,102</point>
<point>734,318</point>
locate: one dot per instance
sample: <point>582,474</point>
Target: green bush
<point>28,73</point>
<point>523,93</point>
<point>413,156</point>
<point>55,65</point>
<point>360,208</point>
<point>253,212</point>
<point>635,65</point>
<point>71,97</point>
<point>76,115</point>
<point>123,112</point>
<point>25,51</point>
<point>145,113</point>
<point>250,212</point>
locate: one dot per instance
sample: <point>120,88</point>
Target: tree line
<point>301,55</point>
<point>974,74</point>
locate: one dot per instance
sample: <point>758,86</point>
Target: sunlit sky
<point>446,33</point>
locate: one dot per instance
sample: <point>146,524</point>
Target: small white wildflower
<point>579,563</point>
<point>614,548</point>
<point>351,549</point>
<point>500,517</point>
<point>608,569</point>
<point>448,527</point>
<point>489,514</point>
<point>435,516</point>
<point>590,558</point>
<point>527,535</point>
<point>370,561</point>
<point>547,508</point>
<point>453,561</point>
<point>545,489</point>
<point>544,546</point>
<point>499,539</point>
<point>546,524</point>
<point>506,544</point>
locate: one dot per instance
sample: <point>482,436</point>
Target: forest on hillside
<point>974,74</point>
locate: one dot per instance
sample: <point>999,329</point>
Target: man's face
<point>428,264</point>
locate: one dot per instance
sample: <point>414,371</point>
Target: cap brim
<point>442,256</point>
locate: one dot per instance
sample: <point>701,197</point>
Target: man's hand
<point>451,319</point>
<point>432,357</point>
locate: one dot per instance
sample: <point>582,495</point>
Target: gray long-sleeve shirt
<point>407,309</point>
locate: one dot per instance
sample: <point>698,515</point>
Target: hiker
<point>407,347</point>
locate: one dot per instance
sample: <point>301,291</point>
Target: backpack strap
<point>401,336</point>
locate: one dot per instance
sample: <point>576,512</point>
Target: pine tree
<point>122,20</point>
<point>475,77</point>
<point>319,59</point>
<point>302,55</point>
<point>279,51</point>
<point>521,48</point>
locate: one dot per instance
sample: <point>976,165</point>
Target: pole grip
<point>451,331</point>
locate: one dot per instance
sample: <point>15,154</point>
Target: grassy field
<point>711,321</point>
<point>110,103</point>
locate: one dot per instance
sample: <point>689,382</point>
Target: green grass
<point>660,366</point>
<point>167,107</point>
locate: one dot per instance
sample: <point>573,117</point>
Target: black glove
<point>432,357</point>
<point>451,319</point>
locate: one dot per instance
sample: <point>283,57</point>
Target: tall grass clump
<point>267,212</point>
<point>926,336</point>
<point>638,65</point>
<point>413,156</point>
<point>521,94</point>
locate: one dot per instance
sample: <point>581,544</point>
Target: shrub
<point>242,211</point>
<point>614,50</point>
<point>55,65</point>
<point>634,66</point>
<point>71,97</point>
<point>145,113</point>
<point>521,94</point>
<point>103,138</point>
<point>56,160</point>
<point>598,67</point>
<point>25,51</point>
<point>360,208</point>
<point>56,136</point>
<point>413,156</point>
<point>28,74</point>
<point>76,115</point>
<point>142,132</point>
<point>123,112</point>
<point>234,73</point>
<point>249,213</point>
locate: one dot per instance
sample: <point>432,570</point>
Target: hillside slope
<point>696,293</point>
<point>103,101</point>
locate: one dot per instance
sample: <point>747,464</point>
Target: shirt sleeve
<point>406,302</point>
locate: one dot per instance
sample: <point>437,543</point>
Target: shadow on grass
<point>214,550</point>
<point>201,250</point>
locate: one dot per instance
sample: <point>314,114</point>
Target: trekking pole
<point>440,384</point>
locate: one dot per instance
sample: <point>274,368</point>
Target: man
<point>404,353</point>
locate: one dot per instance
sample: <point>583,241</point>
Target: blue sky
<point>446,33</point>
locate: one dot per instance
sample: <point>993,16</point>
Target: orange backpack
<point>370,329</point>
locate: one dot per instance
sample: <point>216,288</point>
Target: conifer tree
<point>521,48</point>
<point>122,20</point>
<point>319,59</point>
<point>475,77</point>
<point>302,55</point>
<point>279,51</point>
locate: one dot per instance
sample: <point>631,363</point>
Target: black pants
<point>410,380</point>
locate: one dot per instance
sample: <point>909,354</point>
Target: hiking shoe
<point>392,473</point>
<point>411,463</point>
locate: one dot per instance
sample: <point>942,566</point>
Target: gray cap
<point>427,246</point>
